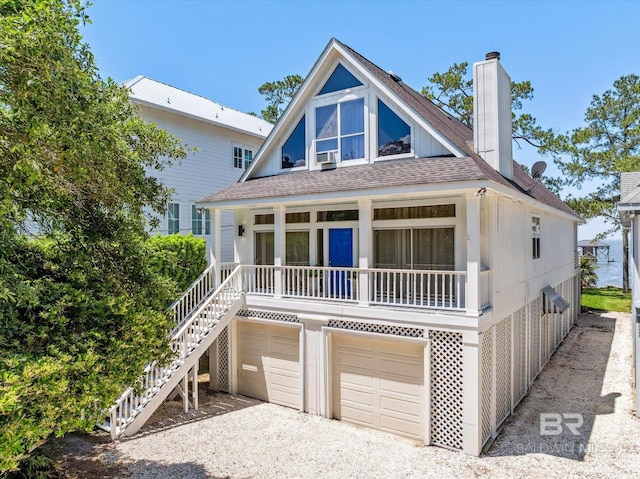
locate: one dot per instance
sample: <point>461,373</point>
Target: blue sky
<point>225,50</point>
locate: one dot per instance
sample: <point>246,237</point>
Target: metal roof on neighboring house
<point>150,92</point>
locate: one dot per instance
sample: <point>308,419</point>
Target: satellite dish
<point>537,169</point>
<point>536,172</point>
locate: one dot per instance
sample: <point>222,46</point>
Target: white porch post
<point>365,248</point>
<point>473,254</point>
<point>279,239</point>
<point>471,393</point>
<point>217,245</point>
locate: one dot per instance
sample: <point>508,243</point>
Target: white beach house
<point>393,268</point>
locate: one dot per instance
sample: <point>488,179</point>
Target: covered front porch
<point>406,253</point>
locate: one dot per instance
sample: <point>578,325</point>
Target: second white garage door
<point>268,363</point>
<point>379,384</point>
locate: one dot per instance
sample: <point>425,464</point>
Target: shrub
<point>180,258</point>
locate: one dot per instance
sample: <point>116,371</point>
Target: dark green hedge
<point>180,258</point>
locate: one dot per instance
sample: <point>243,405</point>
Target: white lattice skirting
<point>514,351</point>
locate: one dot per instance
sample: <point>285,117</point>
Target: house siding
<point>209,168</point>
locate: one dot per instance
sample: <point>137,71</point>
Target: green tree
<point>81,311</point>
<point>588,275</point>
<point>609,144</point>
<point>453,92</point>
<point>278,94</point>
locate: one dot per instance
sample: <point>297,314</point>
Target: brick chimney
<point>492,124</point>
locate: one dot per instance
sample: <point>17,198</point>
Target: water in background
<point>611,273</point>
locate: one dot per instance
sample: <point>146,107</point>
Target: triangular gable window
<point>340,79</point>
<point>394,134</point>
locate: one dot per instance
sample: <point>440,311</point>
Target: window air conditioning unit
<point>326,157</point>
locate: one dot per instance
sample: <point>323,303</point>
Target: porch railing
<point>320,283</point>
<point>413,288</point>
<point>418,288</point>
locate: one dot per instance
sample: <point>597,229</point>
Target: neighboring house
<point>397,269</point>
<point>629,210</point>
<point>226,142</point>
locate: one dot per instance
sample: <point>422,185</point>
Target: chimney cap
<point>492,56</point>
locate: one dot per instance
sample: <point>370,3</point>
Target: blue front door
<point>340,256</point>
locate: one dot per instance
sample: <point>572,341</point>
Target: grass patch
<point>606,299</point>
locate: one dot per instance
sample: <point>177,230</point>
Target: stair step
<point>199,329</point>
<point>105,426</point>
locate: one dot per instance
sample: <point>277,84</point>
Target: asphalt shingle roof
<point>391,173</point>
<point>630,187</point>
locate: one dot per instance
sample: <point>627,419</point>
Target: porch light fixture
<point>481,192</point>
<point>240,230</point>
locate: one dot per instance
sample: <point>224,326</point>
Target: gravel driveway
<point>237,437</point>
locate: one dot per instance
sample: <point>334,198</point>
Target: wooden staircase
<point>201,314</point>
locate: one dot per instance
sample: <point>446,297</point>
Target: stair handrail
<point>178,329</point>
<point>194,294</point>
<point>153,379</point>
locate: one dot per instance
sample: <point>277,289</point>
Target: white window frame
<point>203,219</point>
<point>175,220</point>
<point>412,130</point>
<point>292,127</point>
<point>336,99</point>
<point>241,162</point>
<point>535,235</point>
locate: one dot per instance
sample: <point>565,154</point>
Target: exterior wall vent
<point>394,76</point>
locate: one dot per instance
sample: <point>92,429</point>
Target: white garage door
<point>268,363</point>
<point>379,384</point>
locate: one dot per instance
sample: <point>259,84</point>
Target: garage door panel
<point>284,365</point>
<point>401,427</point>
<point>284,396</point>
<point>354,379</point>
<point>379,383</point>
<point>356,343</point>
<point>252,342</point>
<point>256,329</point>
<point>283,380</point>
<point>399,349</point>
<point>410,371</point>
<point>251,362</point>
<point>285,349</point>
<point>284,333</point>
<point>400,387</point>
<point>269,368</point>
<point>408,408</point>
<point>357,415</point>
<point>352,360</point>
<point>362,398</point>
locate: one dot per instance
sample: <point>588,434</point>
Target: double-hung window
<point>242,157</point>
<point>200,221</point>
<point>173,218</point>
<point>535,235</point>
<point>340,129</point>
